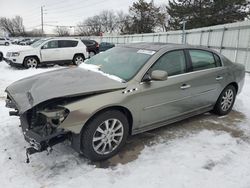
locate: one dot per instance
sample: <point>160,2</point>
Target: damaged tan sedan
<point>124,91</point>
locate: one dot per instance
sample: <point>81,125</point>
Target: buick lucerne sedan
<point>123,91</point>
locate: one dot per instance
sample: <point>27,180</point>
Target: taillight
<point>97,45</point>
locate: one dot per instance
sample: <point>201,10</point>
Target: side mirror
<point>1,56</point>
<point>159,75</point>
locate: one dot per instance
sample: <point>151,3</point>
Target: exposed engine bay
<point>41,124</point>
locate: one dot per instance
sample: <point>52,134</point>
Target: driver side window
<point>50,44</point>
<point>173,62</point>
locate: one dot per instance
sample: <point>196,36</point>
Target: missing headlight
<point>55,116</point>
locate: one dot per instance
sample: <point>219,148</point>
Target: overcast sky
<point>60,12</point>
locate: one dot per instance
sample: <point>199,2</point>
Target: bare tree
<point>122,20</point>
<point>62,31</point>
<point>91,26</point>
<point>13,26</point>
<point>108,21</point>
<point>82,29</point>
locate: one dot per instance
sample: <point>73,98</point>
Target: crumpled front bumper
<point>38,142</point>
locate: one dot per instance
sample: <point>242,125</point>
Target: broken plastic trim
<point>44,145</point>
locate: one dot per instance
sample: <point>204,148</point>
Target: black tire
<point>28,62</point>
<point>7,43</point>
<point>218,108</point>
<point>78,59</point>
<point>90,132</point>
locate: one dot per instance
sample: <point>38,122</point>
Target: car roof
<point>156,46</point>
<point>59,38</point>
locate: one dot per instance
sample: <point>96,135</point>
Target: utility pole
<point>42,19</point>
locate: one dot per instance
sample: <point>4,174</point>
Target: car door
<point>67,49</point>
<point>50,51</point>
<point>2,41</point>
<point>164,100</point>
<point>207,77</point>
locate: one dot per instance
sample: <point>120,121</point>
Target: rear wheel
<point>7,43</point>
<point>104,135</point>
<point>78,59</point>
<point>30,62</point>
<point>225,101</point>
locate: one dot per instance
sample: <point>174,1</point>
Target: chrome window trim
<point>183,49</point>
<point>186,73</point>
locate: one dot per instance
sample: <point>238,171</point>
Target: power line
<point>67,5</point>
<point>78,7</point>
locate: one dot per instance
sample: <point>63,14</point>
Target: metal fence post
<point>237,46</point>
<point>201,37</point>
<point>246,56</point>
<point>208,38</point>
<point>222,39</point>
<point>167,37</point>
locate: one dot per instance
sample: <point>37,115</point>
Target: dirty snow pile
<point>204,158</point>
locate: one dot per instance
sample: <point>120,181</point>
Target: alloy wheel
<point>79,60</point>
<point>107,136</point>
<point>227,99</point>
<point>31,63</point>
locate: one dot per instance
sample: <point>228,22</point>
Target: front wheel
<point>225,101</point>
<point>30,62</point>
<point>104,135</point>
<point>7,43</point>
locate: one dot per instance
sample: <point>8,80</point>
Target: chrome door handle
<point>219,78</point>
<point>185,86</point>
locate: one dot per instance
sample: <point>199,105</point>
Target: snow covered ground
<point>216,153</point>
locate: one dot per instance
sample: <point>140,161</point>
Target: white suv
<point>48,51</point>
<point>4,41</point>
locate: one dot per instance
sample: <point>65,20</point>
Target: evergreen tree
<point>144,17</point>
<point>202,13</point>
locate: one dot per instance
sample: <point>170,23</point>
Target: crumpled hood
<point>66,82</point>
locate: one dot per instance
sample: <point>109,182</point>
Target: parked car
<point>33,41</point>
<point>92,47</point>
<point>49,51</point>
<point>4,41</point>
<point>25,42</point>
<point>152,85</point>
<point>105,46</point>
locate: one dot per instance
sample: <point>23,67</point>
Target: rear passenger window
<point>172,62</point>
<point>202,59</point>
<point>67,43</point>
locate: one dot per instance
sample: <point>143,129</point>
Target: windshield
<point>121,61</point>
<point>38,43</point>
